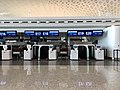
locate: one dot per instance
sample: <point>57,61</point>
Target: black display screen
<point>54,33</point>
<point>38,33</point>
<point>29,33</point>
<point>11,33</point>
<point>72,33</point>
<point>2,34</point>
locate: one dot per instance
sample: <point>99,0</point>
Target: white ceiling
<point>59,8</point>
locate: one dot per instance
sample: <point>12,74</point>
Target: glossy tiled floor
<point>59,75</point>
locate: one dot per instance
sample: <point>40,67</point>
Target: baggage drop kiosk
<point>44,50</point>
<point>29,50</point>
<point>82,47</point>
<point>7,52</point>
<point>28,53</point>
<point>82,51</point>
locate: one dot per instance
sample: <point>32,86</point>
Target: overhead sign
<point>85,33</point>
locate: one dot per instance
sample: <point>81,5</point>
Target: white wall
<point>111,40</point>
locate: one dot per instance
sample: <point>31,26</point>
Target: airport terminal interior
<point>59,45</point>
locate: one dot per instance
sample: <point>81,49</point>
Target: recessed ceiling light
<point>4,13</point>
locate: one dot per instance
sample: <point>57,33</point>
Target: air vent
<point>33,22</point>
<point>88,21</point>
<point>70,21</point>
<point>6,22</point>
<point>42,22</point>
<point>24,21</point>
<point>108,21</point>
<point>15,22</point>
<point>51,21</point>
<point>117,20</point>
<point>98,21</point>
<point>79,21</point>
<point>60,21</point>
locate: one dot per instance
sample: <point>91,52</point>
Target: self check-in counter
<point>28,52</point>
<point>82,51</point>
<point>44,51</point>
<point>99,53</point>
<point>5,52</point>
<point>19,50</point>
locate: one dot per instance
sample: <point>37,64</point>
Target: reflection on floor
<point>107,62</point>
<point>59,75</point>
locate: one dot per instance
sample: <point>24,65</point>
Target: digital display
<point>72,33</point>
<point>88,33</point>
<point>29,33</point>
<point>85,33</point>
<point>38,33</point>
<point>45,33</point>
<point>2,34</point>
<point>11,33</point>
<point>98,33</point>
<point>81,33</point>
<point>54,33</point>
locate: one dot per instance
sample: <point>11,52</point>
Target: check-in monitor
<point>28,33</point>
<point>2,34</point>
<point>72,33</point>
<point>54,33</point>
<point>97,32</point>
<point>11,33</point>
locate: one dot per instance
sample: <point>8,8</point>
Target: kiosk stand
<point>28,54</point>
<point>99,54</point>
<point>74,53</point>
<point>6,54</point>
<point>52,53</point>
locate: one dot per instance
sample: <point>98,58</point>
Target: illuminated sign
<point>29,33</point>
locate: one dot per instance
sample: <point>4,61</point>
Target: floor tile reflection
<point>59,77</point>
<point>62,62</point>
